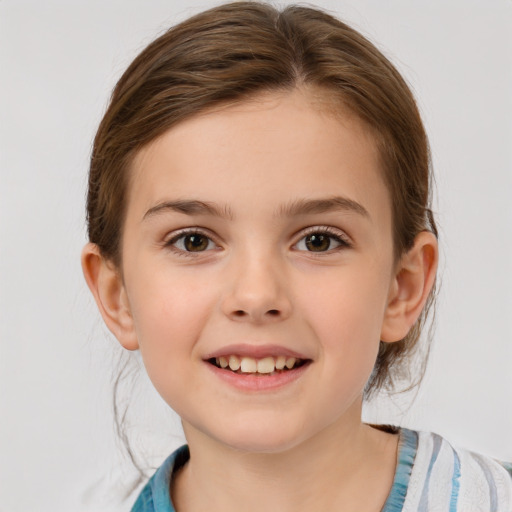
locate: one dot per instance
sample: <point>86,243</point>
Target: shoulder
<point>444,477</point>
<point>155,496</point>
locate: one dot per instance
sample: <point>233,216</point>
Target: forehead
<point>273,149</point>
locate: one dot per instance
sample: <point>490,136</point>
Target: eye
<point>321,241</point>
<point>192,242</point>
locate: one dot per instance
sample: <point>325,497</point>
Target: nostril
<point>242,314</point>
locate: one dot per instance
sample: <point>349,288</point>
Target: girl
<point>260,229</point>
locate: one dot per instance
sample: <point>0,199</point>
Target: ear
<point>106,284</point>
<point>413,281</point>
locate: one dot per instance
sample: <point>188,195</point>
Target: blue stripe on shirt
<point>455,482</point>
<point>423,505</point>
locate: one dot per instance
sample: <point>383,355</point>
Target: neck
<point>332,471</point>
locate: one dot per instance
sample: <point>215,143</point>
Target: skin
<point>258,283</point>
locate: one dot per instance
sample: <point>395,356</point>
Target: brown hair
<point>232,52</point>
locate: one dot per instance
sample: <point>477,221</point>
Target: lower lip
<point>263,382</point>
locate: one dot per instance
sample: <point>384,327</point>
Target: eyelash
<point>338,236</point>
<point>333,235</point>
<point>181,235</point>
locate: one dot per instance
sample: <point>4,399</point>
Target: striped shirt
<point>431,476</point>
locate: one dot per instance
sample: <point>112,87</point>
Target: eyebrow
<point>190,207</point>
<point>312,206</point>
<point>297,207</point>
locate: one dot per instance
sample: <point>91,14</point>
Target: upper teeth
<point>251,365</point>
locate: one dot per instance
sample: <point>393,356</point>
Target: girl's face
<point>260,232</point>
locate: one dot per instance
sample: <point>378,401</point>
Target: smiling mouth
<point>264,366</point>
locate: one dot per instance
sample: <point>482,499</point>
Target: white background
<point>58,62</point>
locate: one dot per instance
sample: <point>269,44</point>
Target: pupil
<point>196,243</point>
<point>318,242</point>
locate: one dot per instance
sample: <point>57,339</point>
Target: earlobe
<point>107,287</point>
<point>410,288</point>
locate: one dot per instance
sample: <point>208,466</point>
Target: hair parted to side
<point>229,54</point>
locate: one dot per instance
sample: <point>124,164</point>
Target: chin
<point>261,444</point>
<point>262,437</point>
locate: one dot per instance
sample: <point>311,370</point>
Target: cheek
<point>169,313</point>
<point>346,314</point>
<point>167,304</point>
<point>347,302</point>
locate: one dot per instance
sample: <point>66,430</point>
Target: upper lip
<point>254,351</point>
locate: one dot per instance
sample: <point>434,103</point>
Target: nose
<point>258,291</point>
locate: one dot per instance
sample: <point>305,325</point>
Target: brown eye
<point>318,242</point>
<point>322,240</point>
<point>192,242</point>
<point>195,243</point>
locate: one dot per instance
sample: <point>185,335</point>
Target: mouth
<point>265,366</point>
